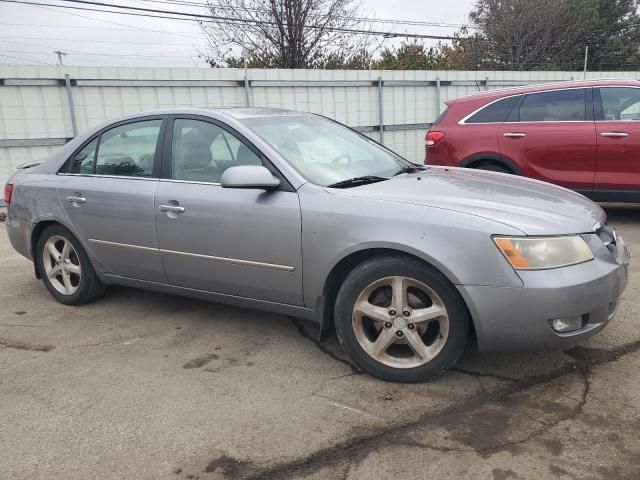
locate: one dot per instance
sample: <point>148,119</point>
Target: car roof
<point>542,87</point>
<point>236,113</point>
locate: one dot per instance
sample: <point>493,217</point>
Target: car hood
<point>531,206</point>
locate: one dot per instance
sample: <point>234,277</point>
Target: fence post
<point>72,110</point>
<point>437,97</point>
<point>380,110</point>
<point>247,90</point>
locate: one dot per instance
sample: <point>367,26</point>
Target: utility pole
<point>586,57</point>
<point>60,54</point>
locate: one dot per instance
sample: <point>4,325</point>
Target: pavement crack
<point>475,374</point>
<point>355,448</point>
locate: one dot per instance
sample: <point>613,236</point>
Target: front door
<point>107,192</point>
<point>551,135</point>
<point>618,133</point>
<point>241,242</point>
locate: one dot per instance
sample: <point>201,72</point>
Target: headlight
<point>532,253</point>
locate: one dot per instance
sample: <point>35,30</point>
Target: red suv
<point>581,135</point>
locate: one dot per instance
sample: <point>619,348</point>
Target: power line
<point>84,40</point>
<point>80,52</point>
<point>134,27</point>
<point>132,58</point>
<point>220,19</point>
<point>131,28</point>
<point>360,19</point>
<point>24,59</point>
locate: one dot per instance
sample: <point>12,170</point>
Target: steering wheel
<point>339,158</point>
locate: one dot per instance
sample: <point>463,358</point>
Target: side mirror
<point>249,176</point>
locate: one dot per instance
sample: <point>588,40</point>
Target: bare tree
<point>284,33</point>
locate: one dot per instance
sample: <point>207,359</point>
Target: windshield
<point>325,152</point>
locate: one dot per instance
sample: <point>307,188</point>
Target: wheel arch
<point>493,158</point>
<point>338,273</point>
<point>41,225</point>
<point>35,236</point>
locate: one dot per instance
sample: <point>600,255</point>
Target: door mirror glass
<point>249,176</point>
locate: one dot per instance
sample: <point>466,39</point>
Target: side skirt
<point>623,196</point>
<point>275,307</point>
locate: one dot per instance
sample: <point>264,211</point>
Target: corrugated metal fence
<point>41,108</point>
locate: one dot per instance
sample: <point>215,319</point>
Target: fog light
<point>568,324</point>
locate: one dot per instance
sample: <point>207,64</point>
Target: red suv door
<point>618,136</point>
<point>551,136</point>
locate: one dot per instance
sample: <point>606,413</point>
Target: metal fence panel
<point>35,113</point>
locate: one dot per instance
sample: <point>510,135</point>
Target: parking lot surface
<point>148,386</point>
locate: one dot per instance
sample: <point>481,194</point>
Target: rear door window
<point>127,150</point>
<point>556,106</point>
<point>495,112</point>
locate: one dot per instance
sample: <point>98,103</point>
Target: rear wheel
<point>65,267</point>
<point>400,320</point>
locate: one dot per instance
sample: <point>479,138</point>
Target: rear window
<point>495,112</point>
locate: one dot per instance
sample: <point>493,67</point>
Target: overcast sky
<point>30,34</point>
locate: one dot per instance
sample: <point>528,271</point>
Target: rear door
<point>618,137</point>
<point>107,191</point>
<point>551,136</point>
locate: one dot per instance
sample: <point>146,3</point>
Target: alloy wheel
<point>400,322</point>
<point>61,265</point>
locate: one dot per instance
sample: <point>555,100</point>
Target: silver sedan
<point>296,214</point>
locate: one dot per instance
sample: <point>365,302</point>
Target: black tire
<point>492,167</point>
<point>375,269</point>
<point>88,288</point>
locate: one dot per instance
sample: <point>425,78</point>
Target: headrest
<point>194,154</point>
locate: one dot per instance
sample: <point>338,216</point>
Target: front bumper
<point>508,319</point>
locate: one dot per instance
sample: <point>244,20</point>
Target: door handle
<point>614,134</point>
<point>76,198</point>
<point>514,134</point>
<point>171,209</point>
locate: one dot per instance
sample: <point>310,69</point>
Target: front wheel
<point>400,320</point>
<point>65,267</point>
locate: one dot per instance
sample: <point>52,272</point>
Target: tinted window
<point>619,104</point>
<point>557,106</point>
<point>202,151</point>
<point>82,162</point>
<point>128,150</point>
<point>495,112</point>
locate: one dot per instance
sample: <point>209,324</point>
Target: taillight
<point>8,190</point>
<point>432,138</point>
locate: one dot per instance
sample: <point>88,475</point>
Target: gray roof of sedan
<point>240,113</point>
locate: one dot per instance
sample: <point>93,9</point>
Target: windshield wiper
<point>355,181</point>
<point>410,169</point>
